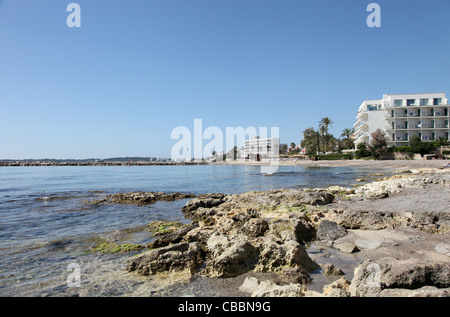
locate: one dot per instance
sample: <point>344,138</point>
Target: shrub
<point>362,151</point>
<point>329,157</point>
<point>416,146</point>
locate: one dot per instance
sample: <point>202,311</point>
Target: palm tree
<point>347,134</point>
<point>324,124</point>
<point>323,136</point>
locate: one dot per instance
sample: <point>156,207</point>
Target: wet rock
<point>330,269</point>
<point>296,276</point>
<point>173,258</point>
<point>159,228</point>
<point>203,201</point>
<point>346,247</point>
<point>330,231</point>
<point>145,198</point>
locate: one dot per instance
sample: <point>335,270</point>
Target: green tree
<point>311,141</point>
<point>361,150</point>
<point>379,144</point>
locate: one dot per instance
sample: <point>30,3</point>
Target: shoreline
<point>284,162</point>
<point>33,164</point>
<point>349,163</point>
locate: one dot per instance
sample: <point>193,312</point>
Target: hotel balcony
<point>416,115</point>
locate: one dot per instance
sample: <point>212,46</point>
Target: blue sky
<point>137,69</point>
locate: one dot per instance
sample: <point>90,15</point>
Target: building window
<point>437,101</point>
<point>424,102</point>
<point>410,102</point>
<point>398,103</point>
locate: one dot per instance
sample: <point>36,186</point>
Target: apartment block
<point>261,147</point>
<point>425,116</point>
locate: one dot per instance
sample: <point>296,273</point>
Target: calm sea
<point>45,224</point>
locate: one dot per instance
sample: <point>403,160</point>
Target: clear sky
<point>137,69</point>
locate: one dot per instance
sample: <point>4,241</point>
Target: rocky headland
<point>395,229</point>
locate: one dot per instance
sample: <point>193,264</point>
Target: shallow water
<point>45,224</point>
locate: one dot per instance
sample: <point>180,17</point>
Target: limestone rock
<point>173,258</point>
<point>275,256</point>
<point>255,227</point>
<point>373,277</point>
<point>346,247</point>
<point>250,285</point>
<point>330,269</point>
<point>339,288</point>
<point>296,276</point>
<point>443,248</point>
<point>330,231</point>
<point>292,229</point>
<point>230,256</point>
<point>269,289</point>
<point>172,238</point>
<point>205,201</point>
<point>144,198</point>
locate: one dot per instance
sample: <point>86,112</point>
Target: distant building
<point>425,116</point>
<point>262,148</point>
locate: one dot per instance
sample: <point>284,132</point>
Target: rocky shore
<point>395,229</point>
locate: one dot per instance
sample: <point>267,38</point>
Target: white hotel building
<point>262,147</point>
<point>403,116</point>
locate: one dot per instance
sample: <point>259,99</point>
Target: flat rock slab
<point>369,244</point>
<point>443,248</point>
<point>347,247</point>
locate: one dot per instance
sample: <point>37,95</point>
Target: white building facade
<point>263,147</point>
<point>425,116</point>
